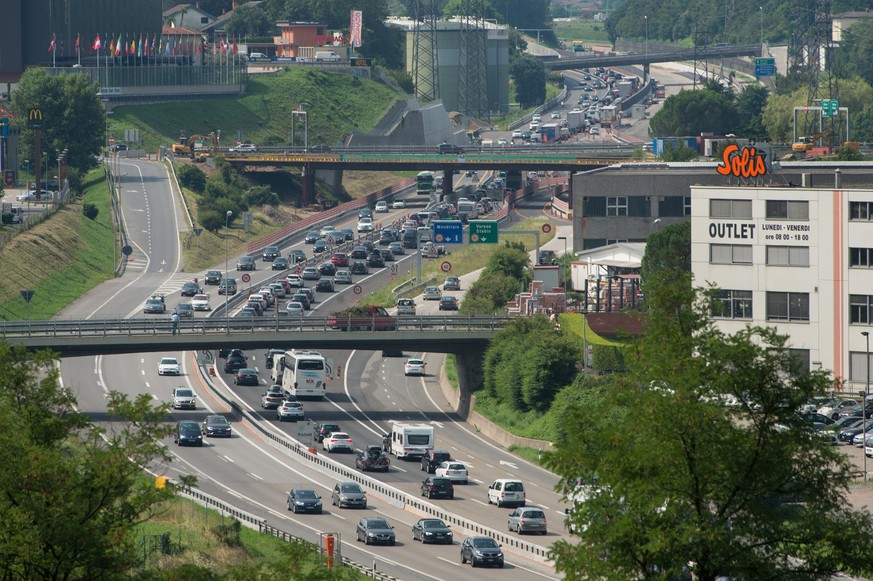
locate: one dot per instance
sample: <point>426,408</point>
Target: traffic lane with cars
<point>371,393</point>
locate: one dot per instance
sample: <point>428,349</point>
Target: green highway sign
<point>829,107</point>
<point>483,232</point>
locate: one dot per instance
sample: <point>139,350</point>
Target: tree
<point>677,482</point>
<point>73,116</point>
<point>693,113</point>
<point>248,20</point>
<point>73,490</point>
<point>667,250</point>
<point>529,76</point>
<point>677,152</point>
<point>191,177</point>
<point>750,106</point>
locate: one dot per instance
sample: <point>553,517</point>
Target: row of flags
<point>146,47</point>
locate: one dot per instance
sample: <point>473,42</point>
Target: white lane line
<point>479,501</point>
<point>253,475</point>
<point>100,380</point>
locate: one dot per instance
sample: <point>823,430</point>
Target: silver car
<point>342,277</point>
<point>527,520</point>
<point>289,410</point>
<point>347,494</point>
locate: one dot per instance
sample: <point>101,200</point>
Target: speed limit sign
<point>246,277</point>
<point>446,266</point>
<point>358,289</point>
<point>547,228</point>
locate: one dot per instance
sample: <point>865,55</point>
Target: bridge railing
<point>160,325</point>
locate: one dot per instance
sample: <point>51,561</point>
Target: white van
<point>326,56</point>
<point>424,234</point>
<point>506,491</point>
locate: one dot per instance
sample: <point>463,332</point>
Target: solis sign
<point>747,162</point>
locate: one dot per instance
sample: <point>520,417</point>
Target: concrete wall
<point>429,125</point>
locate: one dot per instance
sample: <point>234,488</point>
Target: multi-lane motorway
<point>371,393</point>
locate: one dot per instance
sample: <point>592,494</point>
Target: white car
<point>517,134</point>
<point>337,441</point>
<point>536,117</point>
<point>244,148</point>
<point>169,366</point>
<point>294,280</point>
<point>365,225</point>
<point>502,142</point>
<point>454,471</point>
<point>381,207</point>
<point>594,131</point>
<point>327,231</point>
<point>556,115</point>
<point>290,410</point>
<point>432,293</point>
<point>398,204</point>
<point>414,367</point>
<point>201,303</point>
<point>294,309</point>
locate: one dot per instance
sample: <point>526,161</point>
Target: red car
<point>339,259</point>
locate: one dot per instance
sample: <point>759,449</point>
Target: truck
<point>467,210</point>
<point>575,121</point>
<point>609,116</point>
<point>625,89</point>
<point>411,440</point>
<point>197,146</point>
<point>362,318</point>
<point>549,132</point>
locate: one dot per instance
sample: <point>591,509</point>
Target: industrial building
<point>798,259</point>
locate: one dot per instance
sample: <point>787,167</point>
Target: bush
<point>261,196</point>
<point>211,220</point>
<point>191,177</point>
<point>608,359</point>
<point>6,218</point>
<point>90,210</point>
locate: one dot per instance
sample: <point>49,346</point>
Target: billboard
<point>355,29</point>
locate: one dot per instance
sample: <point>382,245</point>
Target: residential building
<point>189,16</point>
<point>797,259</point>
<point>841,22</point>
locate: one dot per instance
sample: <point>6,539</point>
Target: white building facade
<point>798,259</point>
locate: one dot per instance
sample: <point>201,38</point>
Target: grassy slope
<point>338,104</point>
<point>60,259</point>
<point>587,31</point>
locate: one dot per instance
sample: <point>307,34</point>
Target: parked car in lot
<point>413,366</point>
<point>169,366</point>
<point>348,494</point>
<point>189,289</point>
<point>452,283</point>
<point>215,425</point>
<point>481,551</point>
<point>432,530</point>
<point>436,487</point>
<point>246,376</point>
<point>528,519</point>
<point>188,434</point>
<point>273,397</point>
<point>336,441</point>
<point>454,471</point>
<point>375,531</point>
<point>280,263</point>
<point>290,410</point>
<point>245,263</point>
<point>304,500</point>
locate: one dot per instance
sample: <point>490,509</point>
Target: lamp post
<point>761,12</point>
<point>866,335</point>
<point>654,223</point>
<point>226,227</point>
<point>646,18</point>
<point>305,127</point>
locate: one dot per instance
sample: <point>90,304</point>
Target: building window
<point>801,361</point>
<point>672,206</point>
<point>594,206</point>
<point>861,210</point>
<point>859,363</point>
<point>732,304</point>
<point>730,254</point>
<point>616,205</point>
<point>687,208</point>
<point>859,309</point>
<point>204,20</point>
<point>787,306</point>
<point>788,256</point>
<point>861,257</point>
<point>615,241</point>
<point>730,209</point>
<point>787,210</point>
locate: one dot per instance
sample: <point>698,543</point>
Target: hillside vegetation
<point>337,104</point>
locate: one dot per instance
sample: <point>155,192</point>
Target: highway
<point>372,392</point>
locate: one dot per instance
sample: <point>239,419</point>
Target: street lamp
<point>226,227</point>
<point>761,12</point>
<point>305,127</point>
<point>646,18</point>
<point>655,222</point>
<point>866,335</point>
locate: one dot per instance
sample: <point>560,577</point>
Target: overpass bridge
<point>436,334</point>
<point>688,54</point>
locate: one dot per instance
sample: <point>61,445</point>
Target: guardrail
<point>544,107</point>
<point>390,494</point>
<point>164,153</point>
<point>161,325</point>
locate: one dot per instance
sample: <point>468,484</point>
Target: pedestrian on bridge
<point>175,320</point>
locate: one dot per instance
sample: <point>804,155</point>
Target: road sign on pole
<point>547,228</point>
<point>246,277</point>
<point>483,232</point>
<point>829,107</point>
<point>448,232</point>
<point>357,289</point>
<point>446,266</point>
<point>765,67</point>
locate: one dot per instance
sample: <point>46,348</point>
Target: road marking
<point>455,563</point>
<point>509,464</point>
<point>253,475</point>
<point>479,501</point>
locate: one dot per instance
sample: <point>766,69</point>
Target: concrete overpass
<point>689,54</point>
<point>436,334</point>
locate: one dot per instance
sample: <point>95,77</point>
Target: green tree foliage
<point>73,116</point>
<point>73,490</point>
<point>529,76</point>
<point>506,273</point>
<point>261,196</point>
<point>848,153</point>
<point>668,250</point>
<point>750,107</point>
<point>191,177</point>
<point>693,113</point>
<point>248,20</point>
<point>853,54</point>
<point>685,482</point>
<point>680,152</point>
<point>528,363</point>
<point>778,114</point>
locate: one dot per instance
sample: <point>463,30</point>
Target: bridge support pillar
<point>470,376</point>
<point>645,72</point>
<point>447,183</point>
<point>308,178</point>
